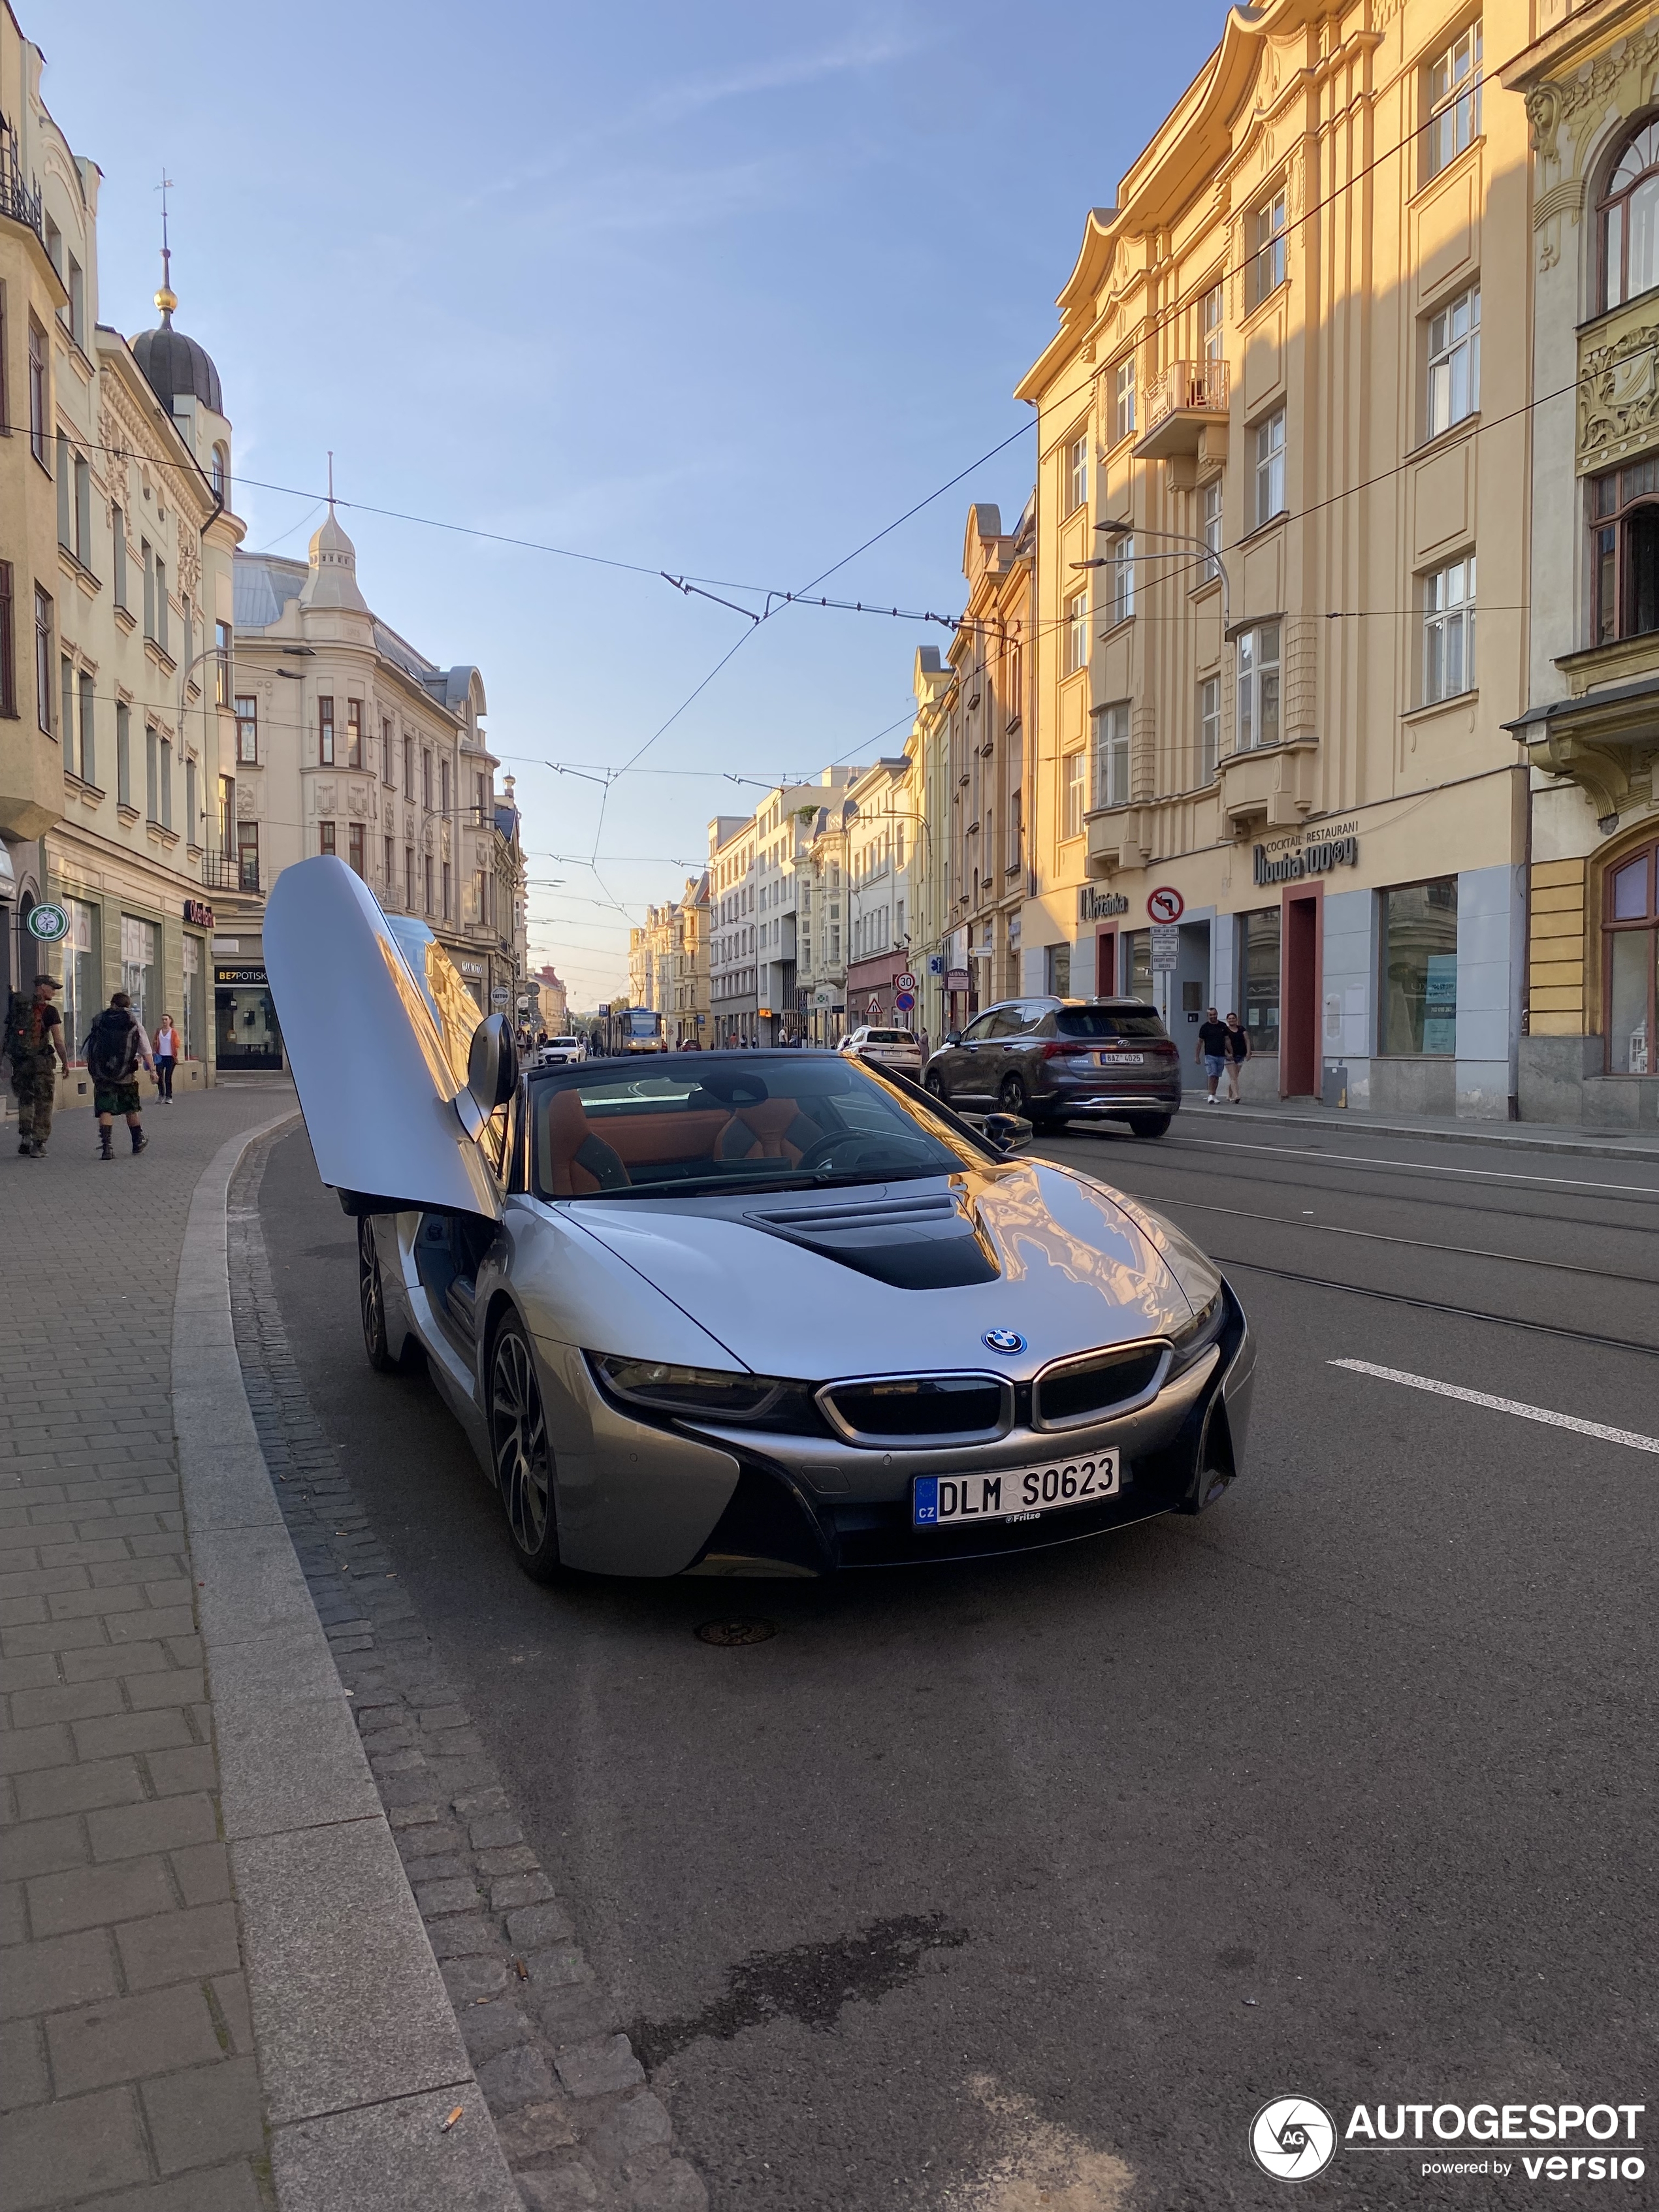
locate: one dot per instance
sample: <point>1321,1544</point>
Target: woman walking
<point>166,1048</point>
<point>1237,1051</point>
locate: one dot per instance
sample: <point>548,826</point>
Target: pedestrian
<point>115,1049</point>
<point>1238,1051</point>
<point>35,1045</point>
<point>167,1054</point>
<point>1212,1053</point>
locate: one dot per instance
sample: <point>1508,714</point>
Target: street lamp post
<point>1173,538</point>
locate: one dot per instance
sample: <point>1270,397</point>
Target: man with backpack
<point>116,1046</point>
<point>35,1045</point>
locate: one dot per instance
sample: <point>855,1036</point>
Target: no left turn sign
<point>1165,904</point>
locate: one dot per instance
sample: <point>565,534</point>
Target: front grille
<point>1091,1388</point>
<point>920,1409</point>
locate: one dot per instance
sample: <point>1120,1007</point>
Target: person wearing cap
<point>116,1046</point>
<point>35,1045</point>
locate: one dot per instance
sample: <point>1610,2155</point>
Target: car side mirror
<point>953,1036</point>
<point>492,1064</point>
<point>1008,1133</point>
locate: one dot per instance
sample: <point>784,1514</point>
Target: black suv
<point>1055,1059</point>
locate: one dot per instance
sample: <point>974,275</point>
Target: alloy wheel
<point>518,1443</point>
<point>371,1297</point>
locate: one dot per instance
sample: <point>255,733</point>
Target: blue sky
<point>721,289</point>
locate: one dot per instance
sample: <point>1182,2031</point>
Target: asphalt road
<point>981,1881</point>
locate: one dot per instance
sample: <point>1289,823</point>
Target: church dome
<point>173,364</point>
<point>333,579</point>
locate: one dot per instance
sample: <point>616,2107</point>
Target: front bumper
<point>811,1505</point>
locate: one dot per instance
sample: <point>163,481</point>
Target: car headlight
<point>708,1393</point>
<point>1198,1334</point>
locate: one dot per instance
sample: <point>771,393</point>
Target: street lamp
<point>1173,538</point>
<point>297,653</point>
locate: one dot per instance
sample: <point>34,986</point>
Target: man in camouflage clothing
<point>34,1044</point>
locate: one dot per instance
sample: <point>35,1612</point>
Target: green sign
<point>49,923</point>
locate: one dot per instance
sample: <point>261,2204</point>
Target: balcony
<point>230,871</point>
<point>1186,409</point>
<point>16,200</point>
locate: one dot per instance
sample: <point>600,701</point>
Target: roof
<point>175,366</point>
<point>262,585</point>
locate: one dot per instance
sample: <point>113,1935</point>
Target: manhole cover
<point>737,1631</point>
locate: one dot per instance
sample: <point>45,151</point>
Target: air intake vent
<point>919,1410</point>
<point>913,1244</point>
<point>1098,1384</point>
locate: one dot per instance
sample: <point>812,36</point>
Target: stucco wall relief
<point>1618,398</point>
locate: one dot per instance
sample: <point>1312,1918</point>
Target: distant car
<point>1057,1059</point>
<point>562,1051</point>
<point>899,1049</point>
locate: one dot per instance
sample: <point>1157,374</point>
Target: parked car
<point>900,1048</point>
<point>561,1051</point>
<point>1053,1059</point>
<point>743,1313</point>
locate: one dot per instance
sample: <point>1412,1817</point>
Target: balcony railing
<point>230,871</point>
<point>17,199</point>
<point>1179,404</point>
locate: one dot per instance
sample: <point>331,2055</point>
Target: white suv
<point>896,1048</point>
<point>560,1052</point>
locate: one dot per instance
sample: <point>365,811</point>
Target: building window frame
<point>44,625</point>
<point>1123,399</point>
<point>1267,467</point>
<point>1624,505</point>
<point>1074,768</point>
<point>355,848</point>
<point>247,729</point>
<point>1453,81</point>
<point>1452,392</point>
<point>1212,501</point>
<point>1418,1020</point>
<point>1123,578</point>
<point>1633,171</point>
<point>8,644</point>
<point>1074,633</point>
<point>1075,473</point>
<point>39,407</point>
<point>355,734</point>
<point>1209,727</point>
<point>325,730</point>
<point>1270,230</point>
<point>223,671</point>
<point>326,839</point>
<point>1630,960</point>
<point>1260,686</point>
<point>1448,597</point>
<point>1111,763</point>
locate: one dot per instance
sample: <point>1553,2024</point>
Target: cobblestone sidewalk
<point>127,2069</point>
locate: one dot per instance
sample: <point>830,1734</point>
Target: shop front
<point>245,1017</point>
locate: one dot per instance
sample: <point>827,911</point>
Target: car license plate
<point>1122,1059</point>
<point>1019,1493</point>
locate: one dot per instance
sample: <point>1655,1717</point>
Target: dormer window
<point>1629,220</point>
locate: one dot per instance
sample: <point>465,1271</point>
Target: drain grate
<point>737,1631</point>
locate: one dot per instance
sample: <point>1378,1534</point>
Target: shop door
<point>1299,1044</point>
<point>1106,963</point>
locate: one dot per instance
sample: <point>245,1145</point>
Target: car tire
<point>520,1457</point>
<point>1011,1098</point>
<point>934,1083</point>
<point>1149,1125</point>
<point>371,1300</point>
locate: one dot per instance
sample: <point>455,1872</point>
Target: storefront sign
<point>1094,905</point>
<point>48,924</point>
<point>249,978</point>
<point>471,968</point>
<point>1317,858</point>
<point>956,979</point>
<point>198,913</point>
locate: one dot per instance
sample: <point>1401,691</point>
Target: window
<point>123,753</point>
<point>1261,965</point>
<point>1013,685</point>
<point>139,947</point>
<point>427,869</point>
<point>7,645</point>
<point>1629,220</point>
<point>1123,579</point>
<point>227,815</point>
<point>191,823</point>
<point>1631,936</point>
<point>354,732</point>
<point>1624,549</point>
<point>1419,957</point>
<point>82,513</point>
<point>147,554</point>
<point>325,837</point>
<point>1209,323</point>
<point>5,350</point>
<point>388,772</point>
<point>1077,472</point>
<point>222,668</point>
<point>1112,756</point>
<point>220,473</point>
<point>160,633</point>
<point>409,773</point>
<point>1209,513</point>
<point>444,777</point>
<point>1057,966</point>
<point>1453,102</point>
<point>247,855</point>
<point>446,890</point>
<point>1266,271</point>
<point>75,284</point>
<point>389,860</point>
<point>166,783</point>
<point>1072,797</point>
<point>1455,362</point>
<point>79,966</point>
<point>192,973</point>
<point>247,728</point>
<point>118,563</point>
<point>152,785</point>
<point>1074,638</point>
<point>43,658</point>
<point>65,527</point>
<point>355,847</point>
<point>426,780</point>
<point>66,711</point>
<point>1449,631</point>
<point>1258,687</point>
<point>1123,399</point>
<point>1016,827</point>
<point>38,392</point>
<point>325,733</point>
<point>481,801</point>
<point>1209,726</point>
<point>1270,468</point>
<point>88,740</point>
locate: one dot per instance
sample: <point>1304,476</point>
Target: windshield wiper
<point>783,1179</point>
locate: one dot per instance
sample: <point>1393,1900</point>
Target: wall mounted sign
<point>1317,858</point>
<point>49,925</point>
<point>1094,905</point>
<point>198,913</point>
<point>956,979</point>
<point>248,978</point>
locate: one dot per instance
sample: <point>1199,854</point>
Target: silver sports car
<point>756,1313</point>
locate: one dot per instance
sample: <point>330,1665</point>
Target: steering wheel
<point>846,1148</point>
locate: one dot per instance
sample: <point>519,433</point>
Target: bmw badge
<point>1003,1340</point>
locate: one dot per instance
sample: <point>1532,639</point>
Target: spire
<point>165,299</point>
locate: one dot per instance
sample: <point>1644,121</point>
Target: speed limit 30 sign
<point>1165,903</point>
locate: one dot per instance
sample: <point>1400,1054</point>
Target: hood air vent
<point>910,1243</point>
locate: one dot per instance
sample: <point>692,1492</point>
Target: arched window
<point>1629,219</point>
<point>1630,929</point>
<point>221,472</point>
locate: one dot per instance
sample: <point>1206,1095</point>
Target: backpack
<point>112,1047</point>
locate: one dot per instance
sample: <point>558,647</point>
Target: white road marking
<point>1503,1405</point>
<point>1414,1167</point>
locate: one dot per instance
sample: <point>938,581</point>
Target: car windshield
<point>1109,1022</point>
<point>720,1122</point>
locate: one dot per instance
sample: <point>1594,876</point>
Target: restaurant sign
<point>198,913</point>
<point>1314,856</point>
<point>1095,905</point>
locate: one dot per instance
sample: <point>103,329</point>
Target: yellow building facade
<point>1281,562</point>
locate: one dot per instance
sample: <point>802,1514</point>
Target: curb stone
<point>577,2125</point>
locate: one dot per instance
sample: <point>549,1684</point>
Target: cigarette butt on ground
<point>451,2121</point>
